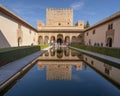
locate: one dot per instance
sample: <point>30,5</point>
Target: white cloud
<point>77,5</point>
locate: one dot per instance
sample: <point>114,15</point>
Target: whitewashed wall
<point>100,34</point>
<point>8,33</point>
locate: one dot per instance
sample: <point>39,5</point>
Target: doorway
<point>59,41</point>
<point>109,42</point>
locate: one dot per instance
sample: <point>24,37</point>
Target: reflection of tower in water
<point>58,72</point>
<point>58,63</point>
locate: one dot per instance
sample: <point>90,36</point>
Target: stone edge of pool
<point>8,75</point>
<point>109,58</point>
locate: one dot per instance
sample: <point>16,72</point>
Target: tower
<point>59,17</point>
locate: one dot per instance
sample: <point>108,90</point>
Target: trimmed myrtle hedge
<point>11,54</point>
<point>44,46</point>
<point>114,52</point>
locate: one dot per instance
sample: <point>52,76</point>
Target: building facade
<point>105,69</point>
<point>14,31</point>
<point>59,17</point>
<point>57,70</point>
<point>59,29</point>
<point>105,33</point>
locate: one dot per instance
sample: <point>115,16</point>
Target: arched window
<point>40,40</point>
<point>46,40</point>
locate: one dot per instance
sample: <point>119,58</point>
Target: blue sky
<point>91,10</point>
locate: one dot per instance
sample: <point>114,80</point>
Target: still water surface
<point>63,72</point>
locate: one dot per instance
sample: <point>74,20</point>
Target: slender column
<point>56,37</point>
<point>70,39</point>
<point>43,39</point>
<point>63,38</point>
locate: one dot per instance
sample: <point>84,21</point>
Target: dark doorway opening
<point>109,42</point>
<point>59,41</point>
<point>19,41</point>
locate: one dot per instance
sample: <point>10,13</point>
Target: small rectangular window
<point>111,26</point>
<point>87,33</point>
<point>93,31</point>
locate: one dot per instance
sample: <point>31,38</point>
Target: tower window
<point>59,24</point>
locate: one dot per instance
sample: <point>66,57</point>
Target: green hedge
<point>11,54</point>
<point>44,46</point>
<point>114,52</point>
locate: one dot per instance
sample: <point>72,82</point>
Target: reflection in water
<point>110,72</point>
<point>67,52</point>
<point>52,52</point>
<point>61,54</point>
<point>107,68</point>
<point>56,70</point>
<point>63,72</point>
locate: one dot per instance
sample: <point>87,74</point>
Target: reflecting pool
<point>65,72</point>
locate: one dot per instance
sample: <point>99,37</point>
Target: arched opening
<point>109,42</point>
<point>73,39</point>
<point>67,52</point>
<point>19,35</point>
<point>46,40</point>
<point>40,40</point>
<point>52,40</point>
<point>59,39</point>
<point>80,39</point>
<point>52,52</point>
<point>46,54</point>
<point>19,41</point>
<point>67,40</point>
<point>59,52</point>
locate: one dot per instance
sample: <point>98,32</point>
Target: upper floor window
<point>93,31</point>
<point>87,33</point>
<point>110,26</point>
<point>80,24</point>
